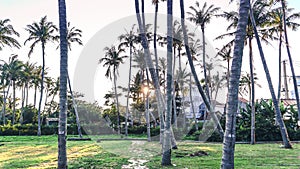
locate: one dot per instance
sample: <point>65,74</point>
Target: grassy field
<point>41,152</point>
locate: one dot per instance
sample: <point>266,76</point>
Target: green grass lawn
<point>41,152</point>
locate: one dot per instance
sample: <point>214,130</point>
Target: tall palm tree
<point>166,154</point>
<point>128,40</point>
<point>62,127</point>
<point>7,32</point>
<point>276,27</point>
<point>112,60</point>
<point>283,130</point>
<point>15,67</point>
<point>230,130</point>
<point>41,32</point>
<point>260,14</point>
<point>148,61</point>
<point>73,36</point>
<point>155,2</point>
<point>6,81</point>
<point>194,73</point>
<point>202,16</point>
<point>283,4</point>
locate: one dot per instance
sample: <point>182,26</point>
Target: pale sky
<point>93,15</point>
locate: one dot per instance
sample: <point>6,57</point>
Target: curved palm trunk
<point>230,130</point>
<point>192,105</point>
<point>252,92</point>
<point>148,60</point>
<point>128,90</point>
<point>42,91</point>
<point>283,131</point>
<point>204,65</point>
<point>62,127</point>
<point>279,68</point>
<point>75,107</point>
<point>5,94</point>
<point>194,73</point>
<point>290,58</point>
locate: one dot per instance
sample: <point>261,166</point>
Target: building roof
<point>287,102</point>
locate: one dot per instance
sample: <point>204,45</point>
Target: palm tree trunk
<point>14,102</point>
<point>150,66</point>
<point>192,105</point>
<point>290,58</point>
<point>128,90</point>
<point>42,91</point>
<point>27,91</point>
<point>279,67</point>
<point>194,73</point>
<point>252,92</point>
<point>155,39</point>
<point>34,97</point>
<point>166,154</point>
<point>283,131</point>
<point>117,102</point>
<point>62,127</point>
<point>75,108</point>
<point>230,132</point>
<point>23,102</point>
<point>204,65</point>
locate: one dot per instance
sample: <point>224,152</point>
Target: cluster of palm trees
<point>26,76</point>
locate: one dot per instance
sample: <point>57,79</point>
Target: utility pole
<point>285,80</point>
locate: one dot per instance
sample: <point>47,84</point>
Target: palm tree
<point>260,14</point>
<point>7,32</point>
<point>283,4</point>
<point>74,35</point>
<point>148,61</point>
<point>229,137</point>
<point>194,73</point>
<point>6,81</point>
<point>155,2</point>
<point>276,26</point>
<point>166,154</point>
<point>128,40</point>
<point>201,17</point>
<point>15,67</point>
<point>283,131</point>
<point>41,32</point>
<point>62,127</point>
<point>112,61</point>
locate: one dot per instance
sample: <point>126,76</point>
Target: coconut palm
<point>62,126</point>
<point>283,4</point>
<point>128,39</point>
<point>155,2</point>
<point>73,36</point>
<point>261,14</point>
<point>15,69</point>
<point>112,60</point>
<point>194,73</point>
<point>202,16</point>
<point>7,33</point>
<point>148,61</point>
<point>166,154</point>
<point>283,130</point>
<point>41,32</point>
<point>229,137</point>
<point>6,81</point>
<point>276,27</point>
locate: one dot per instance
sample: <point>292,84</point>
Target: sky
<point>94,16</point>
